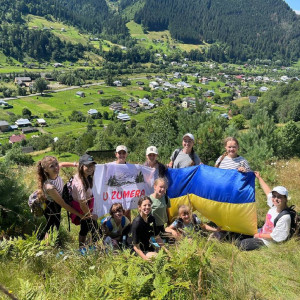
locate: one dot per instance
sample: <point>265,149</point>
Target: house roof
<point>17,138</point>
<point>41,121</point>
<point>92,111</point>
<point>3,123</point>
<point>123,117</point>
<point>22,122</point>
<point>22,79</point>
<point>2,102</point>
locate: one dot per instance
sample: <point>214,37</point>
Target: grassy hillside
<point>197,269</point>
<point>166,43</point>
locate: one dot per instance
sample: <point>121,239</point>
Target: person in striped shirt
<point>230,159</point>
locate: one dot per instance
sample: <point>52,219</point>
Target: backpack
<point>194,222</point>
<point>67,196</point>
<point>67,192</point>
<point>36,205</point>
<point>177,151</point>
<point>295,220</point>
<point>107,221</point>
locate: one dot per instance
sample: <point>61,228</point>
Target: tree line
<point>240,29</point>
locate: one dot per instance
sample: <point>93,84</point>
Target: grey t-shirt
<point>184,160</point>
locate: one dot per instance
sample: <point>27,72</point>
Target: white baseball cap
<point>151,149</point>
<point>189,135</point>
<point>121,148</point>
<point>281,190</point>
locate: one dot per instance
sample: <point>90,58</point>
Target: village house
<point>153,84</point>
<point>117,83</point>
<point>169,85</point>
<point>23,123</point>
<point>263,89</point>
<point>177,75</point>
<point>92,112</point>
<point>41,122</point>
<point>57,65</point>
<point>80,94</point>
<point>133,105</point>
<point>253,99</point>
<point>16,138</point>
<point>4,126</point>
<point>182,84</point>
<point>23,81</point>
<point>123,117</point>
<point>29,130</point>
<point>144,102</point>
<point>5,105</point>
<point>116,106</point>
<point>209,93</point>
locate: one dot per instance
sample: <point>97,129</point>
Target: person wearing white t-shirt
<point>270,233</point>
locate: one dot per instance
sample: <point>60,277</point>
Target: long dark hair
<point>86,181</point>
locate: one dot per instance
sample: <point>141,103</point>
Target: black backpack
<point>295,220</point>
<point>67,196</point>
<point>67,191</point>
<point>191,155</point>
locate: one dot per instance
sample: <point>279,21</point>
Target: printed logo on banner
<point>115,183</point>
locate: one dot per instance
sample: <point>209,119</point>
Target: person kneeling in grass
<point>186,222</point>
<point>116,227</point>
<point>144,232</point>
<point>275,230</point>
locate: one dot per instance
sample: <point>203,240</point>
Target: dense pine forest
<point>17,40</point>
<point>235,30</point>
<point>242,29</point>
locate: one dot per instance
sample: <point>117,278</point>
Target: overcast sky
<point>294,4</point>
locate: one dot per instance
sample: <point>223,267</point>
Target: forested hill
<point>245,29</point>
<point>92,16</point>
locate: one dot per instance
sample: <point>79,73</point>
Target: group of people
<point>147,231</point>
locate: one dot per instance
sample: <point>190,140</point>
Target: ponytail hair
<point>42,175</point>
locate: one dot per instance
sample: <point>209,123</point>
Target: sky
<point>294,4</point>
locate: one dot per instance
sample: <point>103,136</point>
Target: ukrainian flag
<point>226,197</point>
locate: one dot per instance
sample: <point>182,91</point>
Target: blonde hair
<point>183,208</point>
<point>161,179</point>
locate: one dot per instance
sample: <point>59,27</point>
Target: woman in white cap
<point>279,219</point>
<point>152,162</point>
<point>185,157</point>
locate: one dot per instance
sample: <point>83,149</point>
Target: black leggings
<point>91,225</point>
<point>52,215</point>
<point>250,244</point>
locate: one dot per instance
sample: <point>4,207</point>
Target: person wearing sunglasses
<point>277,226</point>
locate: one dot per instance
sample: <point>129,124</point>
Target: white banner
<point>120,183</point>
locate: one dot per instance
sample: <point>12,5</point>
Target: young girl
<point>276,228</point>
<point>143,229</point>
<point>160,204</point>
<point>187,221</point>
<point>185,157</point>
<point>116,226</point>
<point>83,200</point>
<point>230,159</point>
<point>152,162</point>
<point>50,189</point>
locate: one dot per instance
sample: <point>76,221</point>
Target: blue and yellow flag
<point>226,197</point>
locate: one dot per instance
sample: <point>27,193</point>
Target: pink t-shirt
<point>78,191</point>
